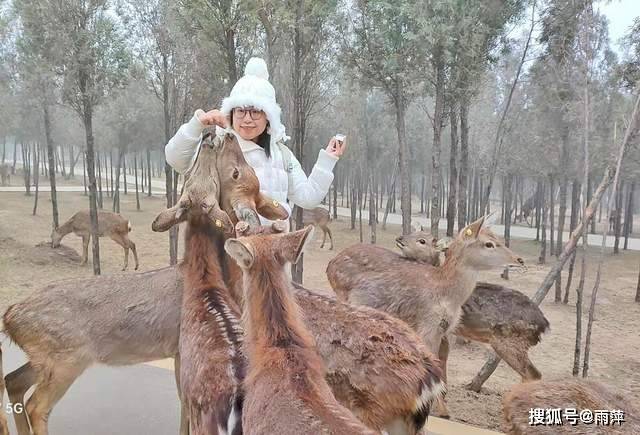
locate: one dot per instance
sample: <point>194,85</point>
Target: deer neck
<point>66,228</point>
<point>457,279</point>
<point>202,267</point>
<point>272,315</point>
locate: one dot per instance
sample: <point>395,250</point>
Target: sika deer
<point>320,217</point>
<point>286,392</point>
<point>502,317</point>
<point>568,396</point>
<point>211,365</point>
<point>4,428</point>
<point>428,298</point>
<point>110,224</point>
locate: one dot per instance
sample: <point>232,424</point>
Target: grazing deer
<point>428,298</point>
<point>5,174</point>
<point>320,217</point>
<point>570,397</point>
<point>504,318</point>
<point>110,224</point>
<point>286,391</point>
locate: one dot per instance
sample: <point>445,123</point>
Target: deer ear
<point>170,217</point>
<point>241,252</point>
<point>219,217</point>
<point>292,245</point>
<point>472,230</point>
<point>270,208</point>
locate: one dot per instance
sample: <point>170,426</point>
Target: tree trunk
<point>36,175</point>
<point>4,148</point>
<point>124,173</point>
<point>149,173</point>
<point>575,206</point>
<point>453,174</point>
<point>116,194</point>
<point>403,158</point>
<point>15,156</point>
<point>464,164</point>
<point>63,167</point>
<point>389,194</point>
<point>50,157</point>
<point>618,217</point>
<point>562,212</point>
<point>88,128</point>
<point>100,199</point>
<point>135,175</point>
<point>26,167</point>
<point>84,172</point>
<point>628,218</point>
<point>545,215</point>
<point>335,200</point>
<point>438,113</point>
<point>111,172</point>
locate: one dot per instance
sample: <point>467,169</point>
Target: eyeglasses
<point>254,114</point>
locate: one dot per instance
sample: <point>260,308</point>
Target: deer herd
<point>257,354</point>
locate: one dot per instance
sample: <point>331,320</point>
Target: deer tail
<point>129,226</point>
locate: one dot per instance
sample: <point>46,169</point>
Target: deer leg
<point>330,238</point>
<point>184,415</point>
<point>515,353</point>
<point>125,245</point>
<point>132,246</point>
<point>18,383</point>
<point>442,410</point>
<point>85,249</point>
<point>50,389</point>
<point>324,237</point>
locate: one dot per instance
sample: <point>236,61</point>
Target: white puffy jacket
<point>276,182</point>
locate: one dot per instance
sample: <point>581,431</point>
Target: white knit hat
<point>254,89</point>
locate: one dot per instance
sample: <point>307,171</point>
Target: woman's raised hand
<point>336,148</point>
<point>213,117</point>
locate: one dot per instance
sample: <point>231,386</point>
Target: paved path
<point>138,400</point>
<point>133,400</point>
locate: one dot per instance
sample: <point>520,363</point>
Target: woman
<point>252,114</point>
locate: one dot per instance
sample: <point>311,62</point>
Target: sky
<point>620,14</point>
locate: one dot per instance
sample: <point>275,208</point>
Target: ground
<point>615,354</point>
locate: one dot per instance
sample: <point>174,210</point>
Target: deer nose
<point>520,261</point>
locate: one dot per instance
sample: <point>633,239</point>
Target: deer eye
<point>422,241</point>
<point>236,174</point>
<point>489,245</point>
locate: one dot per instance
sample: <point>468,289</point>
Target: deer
<point>320,217</point>
<point>504,318</point>
<point>570,397</point>
<point>211,367</point>
<point>286,391</point>
<point>110,224</point>
<point>376,365</point>
<point>5,174</point>
<point>428,298</point>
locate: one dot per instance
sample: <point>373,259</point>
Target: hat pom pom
<point>257,67</point>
